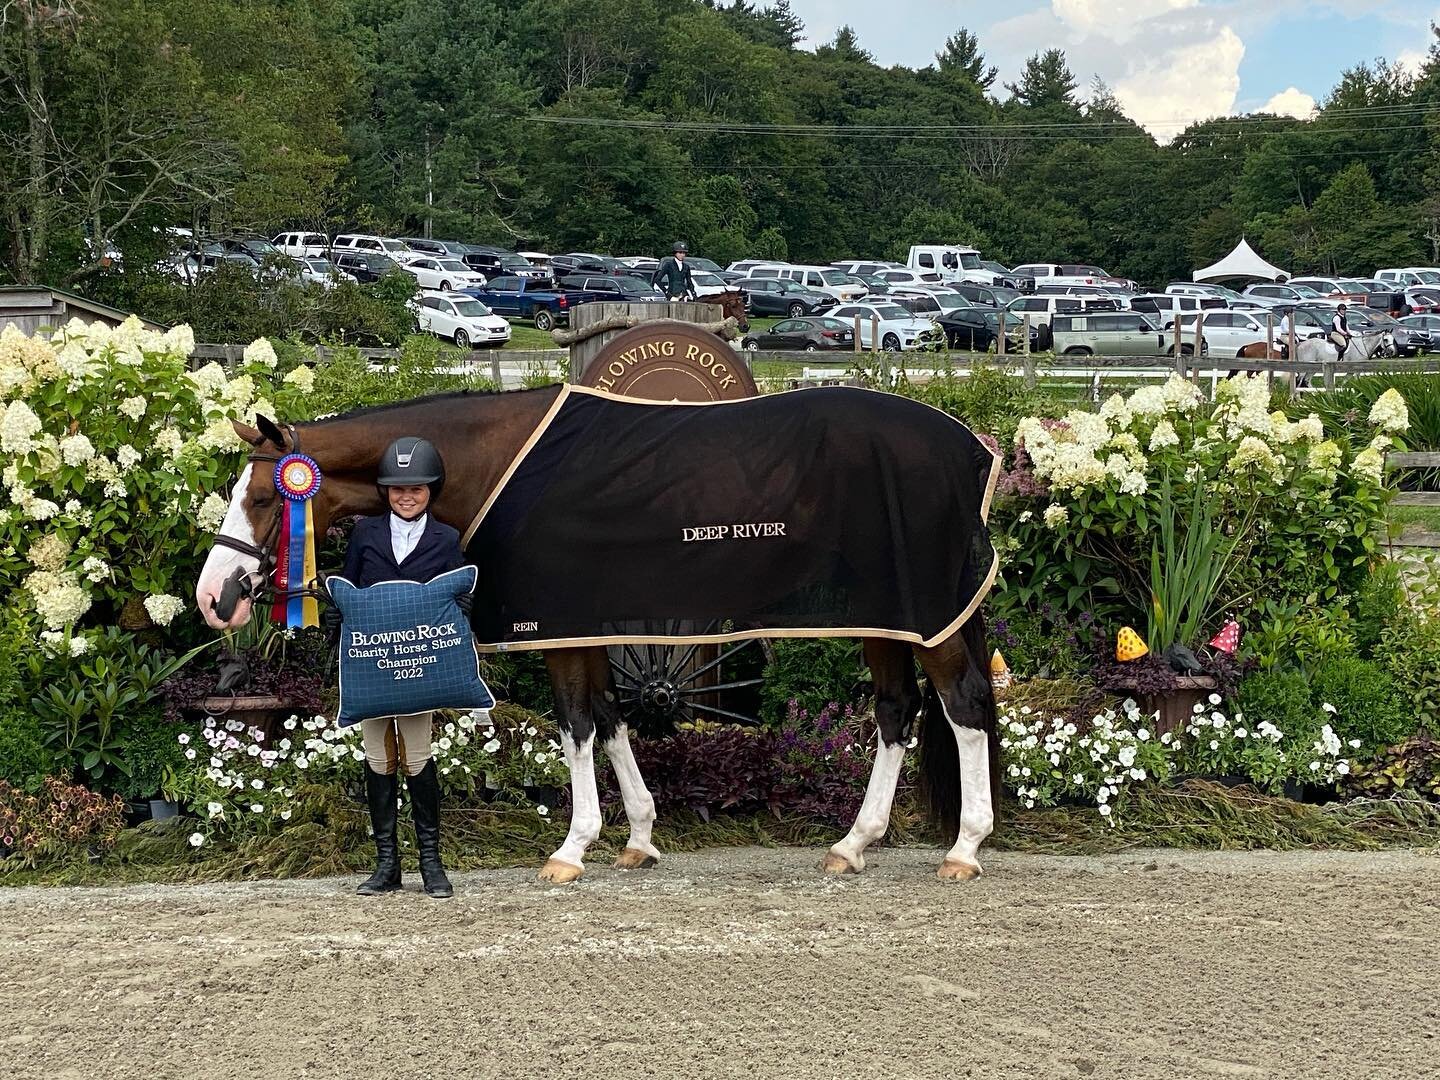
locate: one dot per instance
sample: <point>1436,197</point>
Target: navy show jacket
<point>370,558</point>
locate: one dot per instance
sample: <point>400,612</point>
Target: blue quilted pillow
<point>406,647</point>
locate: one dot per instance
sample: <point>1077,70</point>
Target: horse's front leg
<point>640,853</point>
<point>570,680</point>
<point>614,735</point>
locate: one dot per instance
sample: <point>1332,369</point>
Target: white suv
<point>825,278</point>
<point>1163,307</point>
<point>461,318</point>
<point>396,249</point>
<point>432,272</point>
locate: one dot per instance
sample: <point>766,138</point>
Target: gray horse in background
<point>1319,350</point>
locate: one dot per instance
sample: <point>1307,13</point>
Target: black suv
<point>580,262</point>
<point>446,249</point>
<point>497,262</point>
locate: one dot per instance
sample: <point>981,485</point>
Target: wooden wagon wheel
<point>662,685</point>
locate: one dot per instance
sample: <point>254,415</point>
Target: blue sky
<point>1169,61</point>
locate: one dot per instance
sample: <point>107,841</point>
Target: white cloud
<point>1100,16</point>
<point>1183,84</point>
<point>1290,102</point>
<point>1412,60</point>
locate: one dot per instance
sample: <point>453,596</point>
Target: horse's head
<point>732,303</point>
<point>243,557</point>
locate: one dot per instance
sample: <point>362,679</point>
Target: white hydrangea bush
<point>1089,489</point>
<point>115,460</point>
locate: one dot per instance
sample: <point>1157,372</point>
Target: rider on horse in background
<point>1340,331</point>
<point>673,277</point>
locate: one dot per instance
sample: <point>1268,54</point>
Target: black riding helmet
<point>681,246</point>
<point>410,462</point>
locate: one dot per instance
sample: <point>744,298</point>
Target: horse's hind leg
<point>897,700</point>
<point>571,680</point>
<point>960,754</point>
<point>614,735</point>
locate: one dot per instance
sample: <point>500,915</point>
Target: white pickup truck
<point>954,263</point>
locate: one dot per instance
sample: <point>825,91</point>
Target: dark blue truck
<point>519,298</point>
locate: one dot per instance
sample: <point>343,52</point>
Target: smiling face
<point>409,502</point>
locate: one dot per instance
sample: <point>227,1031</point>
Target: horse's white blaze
<point>584,799</point>
<point>223,561</point>
<point>639,804</point>
<point>874,817</point>
<point>977,816</point>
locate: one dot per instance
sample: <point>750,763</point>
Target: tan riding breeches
<point>389,740</point>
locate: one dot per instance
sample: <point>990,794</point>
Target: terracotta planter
<point>1175,707</point>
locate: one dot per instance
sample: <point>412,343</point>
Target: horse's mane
<point>449,395</point>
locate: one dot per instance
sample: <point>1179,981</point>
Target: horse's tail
<point>939,753</point>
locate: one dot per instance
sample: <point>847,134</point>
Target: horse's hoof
<point>635,859</point>
<point>560,873</point>
<point>958,870</point>
<point>837,864</point>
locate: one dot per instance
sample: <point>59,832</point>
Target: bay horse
<point>959,757</point>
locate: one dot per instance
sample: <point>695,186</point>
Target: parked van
<point>303,245</point>
<point>825,278</point>
<point>1411,275</point>
<point>953,263</point>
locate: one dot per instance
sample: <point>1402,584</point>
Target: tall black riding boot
<point>381,791</point>
<point>425,806</point>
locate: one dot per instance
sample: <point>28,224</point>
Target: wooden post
<point>1294,359</point>
<point>875,332</point>
<point>1179,363</point>
<point>1028,365</point>
<point>1269,351</point>
<point>1000,335</point>
<point>1025,339</point>
<point>1199,337</point>
<point>1329,370</point>
<point>857,332</point>
<point>495,369</point>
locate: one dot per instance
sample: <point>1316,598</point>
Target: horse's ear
<point>246,432</point>
<point>271,432</point>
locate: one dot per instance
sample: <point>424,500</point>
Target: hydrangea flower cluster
<point>130,447</point>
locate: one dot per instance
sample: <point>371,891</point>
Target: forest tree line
<point>620,125</point>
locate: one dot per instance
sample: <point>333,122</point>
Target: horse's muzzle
<point>237,587</point>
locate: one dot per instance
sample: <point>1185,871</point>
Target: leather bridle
<point>259,585</point>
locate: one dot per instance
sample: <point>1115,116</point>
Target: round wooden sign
<point>668,360</point>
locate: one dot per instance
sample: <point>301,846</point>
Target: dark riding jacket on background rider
<point>674,278</point>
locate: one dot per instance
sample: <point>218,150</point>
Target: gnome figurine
<point>1228,639</point>
<point>1129,645</point>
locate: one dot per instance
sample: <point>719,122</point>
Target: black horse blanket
<point>830,512</point>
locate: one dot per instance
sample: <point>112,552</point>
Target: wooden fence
<point>1415,535</point>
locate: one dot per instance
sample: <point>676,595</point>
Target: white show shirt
<point>404,535</point>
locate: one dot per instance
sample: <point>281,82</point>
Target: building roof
<point>1241,263</point>
<point>34,299</point>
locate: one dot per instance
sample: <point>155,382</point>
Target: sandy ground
<point>746,963</point>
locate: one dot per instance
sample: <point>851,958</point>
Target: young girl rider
<point>406,544</point>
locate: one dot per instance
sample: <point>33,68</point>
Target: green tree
<point>962,56</point>
<point>1046,81</point>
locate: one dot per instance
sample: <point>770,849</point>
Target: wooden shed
<point>37,307</point>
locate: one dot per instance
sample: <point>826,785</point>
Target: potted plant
<point>1190,559</point>
<point>263,675</point>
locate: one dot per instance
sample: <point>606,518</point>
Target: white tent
<point>1242,262</point>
